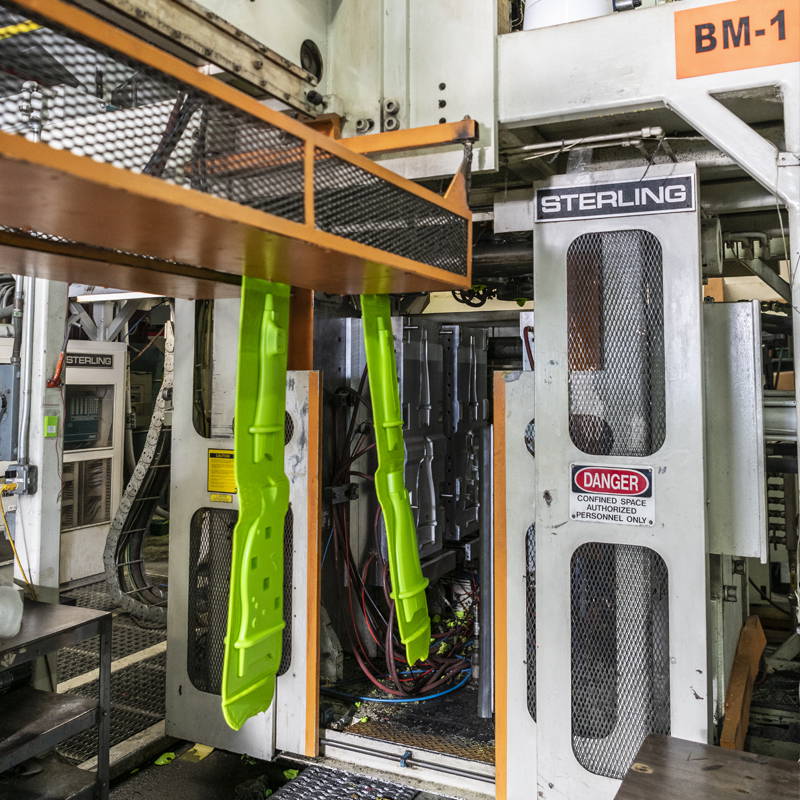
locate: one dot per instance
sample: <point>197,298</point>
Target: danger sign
<point>740,35</point>
<point>612,495</point>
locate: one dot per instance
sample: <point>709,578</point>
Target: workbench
<point>674,769</point>
<point>34,722</point>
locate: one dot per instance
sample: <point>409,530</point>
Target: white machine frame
<point>679,532</point>
<point>291,723</point>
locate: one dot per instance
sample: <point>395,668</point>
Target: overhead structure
<point>192,184</point>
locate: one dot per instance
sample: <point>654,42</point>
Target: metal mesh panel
<point>63,89</point>
<point>210,539</point>
<point>358,205</point>
<point>322,783</point>
<point>73,94</point>
<point>530,437</point>
<point>530,616</point>
<point>620,654</point>
<point>615,312</point>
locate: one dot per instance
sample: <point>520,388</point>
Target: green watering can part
<point>408,582</point>
<point>254,638</point>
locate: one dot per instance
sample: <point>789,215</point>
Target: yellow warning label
<point>220,498</point>
<point>221,477</point>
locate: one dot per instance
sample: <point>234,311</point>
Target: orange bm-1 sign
<point>733,36</point>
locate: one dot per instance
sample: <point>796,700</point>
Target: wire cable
<point>394,701</point>
<point>14,547</point>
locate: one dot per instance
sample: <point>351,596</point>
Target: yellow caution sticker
<point>221,476</point>
<point>220,498</point>
<point>744,34</point>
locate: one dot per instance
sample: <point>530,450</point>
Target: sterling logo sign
<point>612,495</point>
<point>93,360</point>
<point>649,196</point>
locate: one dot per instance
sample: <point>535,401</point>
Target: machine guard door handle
<point>408,582</point>
<point>254,639</point>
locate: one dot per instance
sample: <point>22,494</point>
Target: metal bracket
<point>788,160</point>
<point>25,476</point>
<point>345,493</point>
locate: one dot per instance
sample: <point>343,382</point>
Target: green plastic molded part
<point>408,582</point>
<point>254,639</point>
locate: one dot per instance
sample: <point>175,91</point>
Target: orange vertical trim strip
<point>301,330</point>
<point>313,569</point>
<point>500,590</point>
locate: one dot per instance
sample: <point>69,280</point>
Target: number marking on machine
<point>612,495</point>
<point>741,35</point>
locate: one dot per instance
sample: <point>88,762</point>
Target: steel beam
<point>213,40</point>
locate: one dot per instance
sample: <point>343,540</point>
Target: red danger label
<point>612,480</point>
<point>612,495</point>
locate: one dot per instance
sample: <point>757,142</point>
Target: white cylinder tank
<point>544,13</point>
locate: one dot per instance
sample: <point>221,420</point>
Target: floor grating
<point>322,783</point>
<point>449,725</point>
<point>138,691</point>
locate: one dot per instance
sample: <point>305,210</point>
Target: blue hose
<point>467,675</point>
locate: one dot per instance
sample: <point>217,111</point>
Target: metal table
<point>34,722</point>
<point>673,769</point>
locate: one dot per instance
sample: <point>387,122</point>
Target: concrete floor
<point>225,776</point>
<point>214,778</point>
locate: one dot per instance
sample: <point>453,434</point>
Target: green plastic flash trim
<point>254,639</point>
<point>408,582</point>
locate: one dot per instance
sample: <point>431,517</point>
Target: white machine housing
<point>92,471</point>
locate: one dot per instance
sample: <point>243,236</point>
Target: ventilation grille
<point>620,654</point>
<point>76,94</point>
<point>210,540</point>
<point>86,493</point>
<point>615,313</point>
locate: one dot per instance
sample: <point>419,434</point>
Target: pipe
<point>408,761</point>
<point>486,611</point>
<point>16,319</point>
<point>26,375</point>
<point>601,138</point>
<point>515,260</point>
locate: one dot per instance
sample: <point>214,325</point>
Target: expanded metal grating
<point>358,205</point>
<point>447,743</point>
<point>620,654</point>
<point>67,91</point>
<point>126,638</point>
<point>615,309</point>
<point>138,695</point>
<point>62,88</point>
<point>72,662</point>
<point>530,617</point>
<point>93,595</point>
<point>322,783</point>
<point>210,543</point>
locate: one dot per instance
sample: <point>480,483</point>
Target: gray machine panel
<point>736,476</point>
